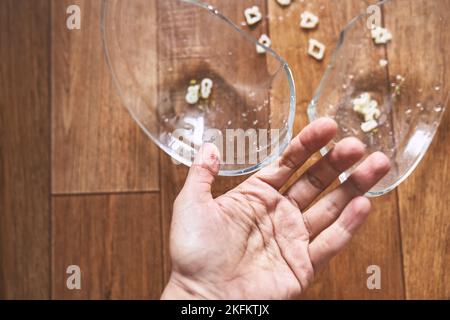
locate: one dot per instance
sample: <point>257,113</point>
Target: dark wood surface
<point>24,149</point>
<point>114,239</point>
<point>96,145</point>
<point>81,184</point>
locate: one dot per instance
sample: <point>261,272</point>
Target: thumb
<point>203,171</point>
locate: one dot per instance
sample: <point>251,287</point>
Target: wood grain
<point>116,242</point>
<point>24,149</point>
<point>96,146</point>
<point>378,242</point>
<point>64,130</point>
<point>425,222</point>
<point>423,202</point>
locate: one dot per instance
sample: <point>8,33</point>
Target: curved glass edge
<point>312,115</point>
<point>372,194</point>
<point>169,151</point>
<point>287,139</point>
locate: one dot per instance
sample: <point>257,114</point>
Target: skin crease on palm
<point>256,243</point>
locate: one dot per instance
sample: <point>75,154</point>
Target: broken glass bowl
<point>407,78</point>
<point>188,75</point>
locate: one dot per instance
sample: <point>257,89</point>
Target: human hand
<point>256,243</point>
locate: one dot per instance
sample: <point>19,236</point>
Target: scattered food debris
<point>369,126</point>
<point>284,3</point>
<point>381,35</point>
<point>316,49</point>
<point>383,63</point>
<point>253,15</point>
<point>196,91</point>
<point>308,20</point>
<point>206,88</point>
<point>264,40</point>
<point>192,93</point>
<point>365,106</point>
<point>398,86</point>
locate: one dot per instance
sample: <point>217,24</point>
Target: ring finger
<point>316,179</point>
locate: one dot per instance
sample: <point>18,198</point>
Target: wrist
<point>174,291</point>
<point>179,288</point>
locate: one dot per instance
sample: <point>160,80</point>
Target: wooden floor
<point>81,184</point>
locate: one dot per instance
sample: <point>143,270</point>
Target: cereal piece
<point>192,94</point>
<point>360,103</point>
<point>284,3</point>
<point>308,20</point>
<point>364,98</point>
<point>368,109</point>
<point>381,35</point>
<point>372,105</point>
<point>206,88</point>
<point>264,40</point>
<point>371,114</point>
<point>252,15</point>
<point>368,126</point>
<point>316,49</point>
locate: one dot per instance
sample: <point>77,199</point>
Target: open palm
<point>257,243</point>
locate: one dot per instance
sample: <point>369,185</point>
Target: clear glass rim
<point>169,151</point>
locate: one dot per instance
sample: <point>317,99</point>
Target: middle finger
<point>316,179</point>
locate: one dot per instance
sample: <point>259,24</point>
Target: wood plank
<point>24,149</point>
<point>424,209</point>
<point>425,222</point>
<point>378,243</point>
<point>174,177</point>
<point>243,66</point>
<point>96,146</point>
<point>116,242</point>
